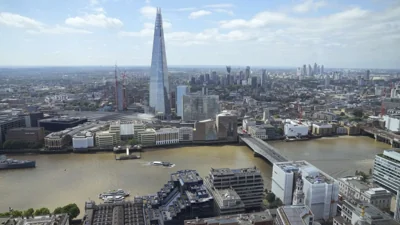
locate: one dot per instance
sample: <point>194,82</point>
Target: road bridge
<point>264,149</point>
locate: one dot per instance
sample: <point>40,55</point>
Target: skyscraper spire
<point>159,80</point>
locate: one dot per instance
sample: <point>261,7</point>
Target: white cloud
<point>99,10</point>
<point>222,5</point>
<point>185,9</point>
<point>260,20</point>
<point>93,2</point>
<point>94,20</point>
<point>229,12</point>
<point>197,14</point>
<point>148,12</point>
<point>15,20</point>
<point>35,27</point>
<point>309,5</point>
<point>147,1</point>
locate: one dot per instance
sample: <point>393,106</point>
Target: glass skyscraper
<point>159,81</point>
<point>181,90</point>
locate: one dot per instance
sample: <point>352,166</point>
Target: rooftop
<point>295,214</point>
<point>371,212</point>
<point>227,171</point>
<point>59,219</point>
<point>238,219</point>
<point>308,171</point>
<point>186,176</point>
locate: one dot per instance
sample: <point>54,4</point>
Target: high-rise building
<point>181,90</point>
<point>366,76</point>
<point>120,96</point>
<point>200,107</point>
<point>320,190</point>
<point>387,170</point>
<point>309,71</point>
<point>304,72</point>
<point>263,77</point>
<point>322,69</point>
<point>253,82</point>
<point>159,80</point>
<point>315,69</point>
<point>247,73</point>
<point>226,126</point>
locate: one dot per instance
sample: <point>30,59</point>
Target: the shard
<point>159,80</point>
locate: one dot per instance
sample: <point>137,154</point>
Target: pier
<point>263,149</point>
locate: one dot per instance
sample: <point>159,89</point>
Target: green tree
<point>72,210</point>
<point>16,213</point>
<point>132,142</point>
<point>29,212</point>
<point>342,114</point>
<point>270,197</point>
<point>42,211</point>
<point>58,210</point>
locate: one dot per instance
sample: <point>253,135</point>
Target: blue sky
<point>336,33</point>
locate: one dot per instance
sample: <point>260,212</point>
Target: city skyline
<point>340,34</point>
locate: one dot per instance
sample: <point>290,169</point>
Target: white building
<point>166,136</point>
<point>321,191</point>
<point>386,170</point>
<point>127,130</point>
<point>248,122</point>
<point>258,131</point>
<point>185,134</point>
<point>379,197</point>
<point>294,129</point>
<point>83,140</point>
<point>392,122</point>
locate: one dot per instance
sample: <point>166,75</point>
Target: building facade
<point>159,79</point>
<point>33,135</point>
<point>294,215</point>
<point>386,170</point>
<point>181,90</point>
<point>200,107</point>
<point>321,191</point>
<point>165,136</point>
<point>226,127</point>
<point>7,123</point>
<point>185,134</point>
<point>205,130</point>
<point>246,182</point>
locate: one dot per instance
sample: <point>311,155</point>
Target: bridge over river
<point>264,149</point>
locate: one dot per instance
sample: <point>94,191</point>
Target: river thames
<point>74,178</point>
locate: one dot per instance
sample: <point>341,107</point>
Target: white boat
<point>165,164</point>
<point>114,198</point>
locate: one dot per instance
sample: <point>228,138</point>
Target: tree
<point>29,212</point>
<point>342,114</point>
<point>270,197</point>
<point>58,210</point>
<point>16,213</point>
<point>42,211</point>
<point>72,210</point>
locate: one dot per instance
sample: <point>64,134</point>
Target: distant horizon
<point>185,66</point>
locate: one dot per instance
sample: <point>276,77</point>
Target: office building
<point>126,212</point>
<point>32,135</point>
<point>127,130</point>
<point>166,136</point>
<point>61,123</point>
<point>226,127</point>
<point>32,118</point>
<point>83,140</point>
<point>354,188</point>
<point>247,123</point>
<point>226,201</point>
<point>180,92</point>
<point>106,139</point>
<point>321,191</point>
<point>355,212</point>
<point>115,128</point>
<point>159,79</point>
<point>253,82</point>
<point>186,134</point>
<point>147,137</point>
<point>294,215</point>
<point>257,218</point>
<point>52,219</point>
<point>258,131</point>
<point>200,107</point>
<point>205,130</point>
<point>386,170</point>
<point>7,123</point>
<point>247,72</point>
<point>183,197</point>
<point>246,182</point>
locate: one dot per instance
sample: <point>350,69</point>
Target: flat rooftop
<point>371,212</point>
<point>227,171</point>
<point>237,219</point>
<point>186,176</point>
<point>59,219</point>
<point>311,173</point>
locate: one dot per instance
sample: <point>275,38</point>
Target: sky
<point>270,33</point>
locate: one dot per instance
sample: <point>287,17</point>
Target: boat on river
<point>6,163</point>
<point>160,163</point>
<point>113,193</point>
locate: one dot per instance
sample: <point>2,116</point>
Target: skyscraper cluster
<point>310,70</point>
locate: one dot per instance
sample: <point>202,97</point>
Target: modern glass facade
<point>200,107</point>
<point>180,92</point>
<point>159,80</point>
